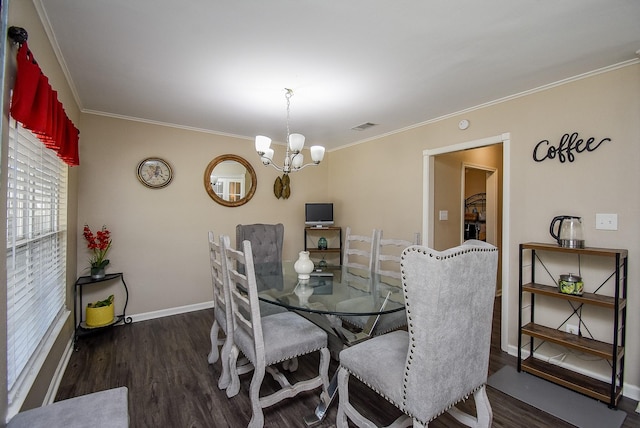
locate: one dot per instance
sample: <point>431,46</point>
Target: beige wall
<point>160,235</point>
<point>364,178</point>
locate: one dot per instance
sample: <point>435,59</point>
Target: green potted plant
<point>100,313</point>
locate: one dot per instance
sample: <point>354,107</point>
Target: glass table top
<point>332,291</point>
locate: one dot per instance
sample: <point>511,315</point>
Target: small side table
<point>81,328</point>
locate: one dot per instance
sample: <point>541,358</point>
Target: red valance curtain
<point>35,105</point>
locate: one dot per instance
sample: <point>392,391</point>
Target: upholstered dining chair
<point>221,302</point>
<point>387,255</point>
<point>386,266</point>
<point>222,315</point>
<point>266,243</point>
<point>385,263</point>
<point>268,340</point>
<point>266,240</point>
<point>443,358</point>
<point>358,252</point>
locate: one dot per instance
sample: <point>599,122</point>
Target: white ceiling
<point>222,66</point>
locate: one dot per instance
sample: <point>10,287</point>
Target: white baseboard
<point>171,311</point>
<point>628,390</point>
<point>50,397</point>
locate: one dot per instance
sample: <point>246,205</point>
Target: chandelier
<point>293,158</point>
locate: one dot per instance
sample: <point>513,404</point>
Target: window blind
<point>36,249</point>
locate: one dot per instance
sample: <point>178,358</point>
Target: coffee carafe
<point>569,231</point>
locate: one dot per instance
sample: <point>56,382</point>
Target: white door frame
<point>428,190</point>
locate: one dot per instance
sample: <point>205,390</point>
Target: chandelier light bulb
<point>293,158</point>
<point>267,158</point>
<point>262,143</point>
<point>317,154</point>
<point>296,142</point>
<point>297,161</point>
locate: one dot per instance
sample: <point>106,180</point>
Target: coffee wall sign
<point>567,148</point>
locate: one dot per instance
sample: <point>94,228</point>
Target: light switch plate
<point>444,215</point>
<point>607,221</point>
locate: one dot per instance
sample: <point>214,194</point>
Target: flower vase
<point>322,243</point>
<point>303,266</point>
<point>97,273</point>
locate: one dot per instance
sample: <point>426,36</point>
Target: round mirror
<point>230,180</point>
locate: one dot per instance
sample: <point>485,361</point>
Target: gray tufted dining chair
<point>443,358</point>
<point>266,341</point>
<point>266,243</point>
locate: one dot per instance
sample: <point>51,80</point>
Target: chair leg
<point>257,417</point>
<point>323,371</point>
<point>234,385</point>
<point>343,397</point>
<point>213,355</point>
<point>225,377</point>
<point>484,414</point>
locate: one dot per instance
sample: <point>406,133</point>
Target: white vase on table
<point>304,265</point>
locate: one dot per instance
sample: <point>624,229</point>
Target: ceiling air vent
<point>363,126</point>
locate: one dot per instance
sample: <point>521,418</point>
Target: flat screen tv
<point>318,214</point>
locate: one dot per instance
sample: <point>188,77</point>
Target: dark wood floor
<point>163,362</point>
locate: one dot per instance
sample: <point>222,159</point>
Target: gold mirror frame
<point>207,180</point>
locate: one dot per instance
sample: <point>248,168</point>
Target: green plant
<point>101,303</point>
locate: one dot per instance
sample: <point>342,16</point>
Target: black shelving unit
<point>612,351</point>
<point>88,281</point>
<point>475,208</point>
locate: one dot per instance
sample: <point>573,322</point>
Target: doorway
<point>480,203</point>
<point>434,189</point>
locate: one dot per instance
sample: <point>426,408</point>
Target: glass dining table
<point>336,299</point>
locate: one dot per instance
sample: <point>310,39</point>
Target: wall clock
<point>154,173</point>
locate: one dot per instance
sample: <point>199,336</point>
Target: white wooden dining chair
<point>268,340</point>
<point>387,255</point>
<point>443,358</point>
<point>222,316</point>
<point>386,266</point>
<point>358,252</point>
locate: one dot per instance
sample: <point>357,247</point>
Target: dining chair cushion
<point>386,322</point>
<point>390,351</point>
<point>285,335</point>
